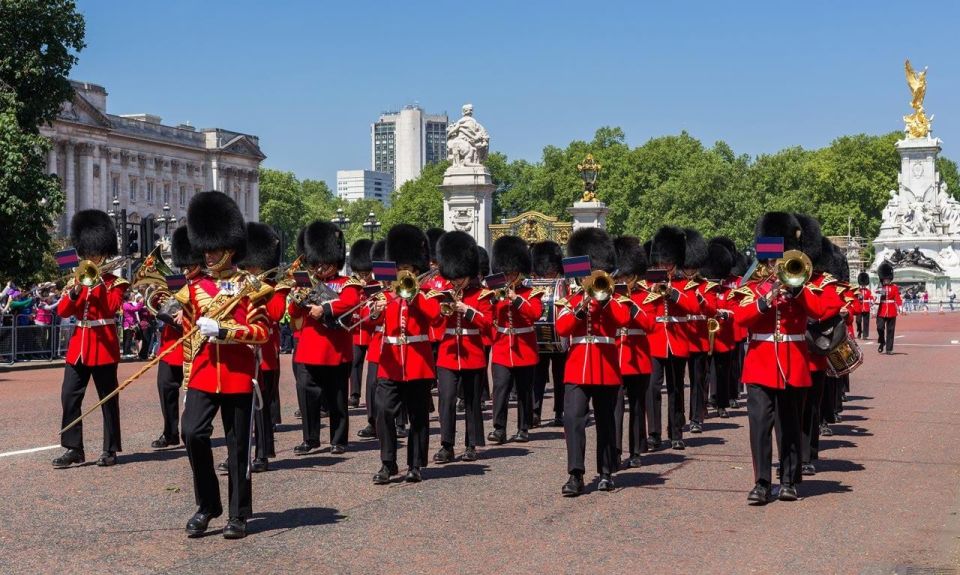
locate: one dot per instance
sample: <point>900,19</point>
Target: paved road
<point>886,497</point>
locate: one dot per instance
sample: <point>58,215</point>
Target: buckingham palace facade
<point>137,164</point>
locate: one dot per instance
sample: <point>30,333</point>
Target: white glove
<point>208,327</point>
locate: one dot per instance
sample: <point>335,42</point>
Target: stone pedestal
<point>589,215</point>
<point>468,202</point>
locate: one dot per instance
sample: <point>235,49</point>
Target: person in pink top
<point>131,320</point>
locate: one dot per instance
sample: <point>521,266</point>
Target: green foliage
<point>420,201</point>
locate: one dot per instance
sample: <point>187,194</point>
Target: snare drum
<point>844,358</point>
<point>546,327</point>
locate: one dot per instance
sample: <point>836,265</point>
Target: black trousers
<point>467,381</point>
<point>75,380</point>
<point>300,377</point>
<point>576,404</point>
<point>670,371</point>
<point>737,384</point>
<point>829,405</point>
<point>550,364</point>
<point>505,378</point>
<point>723,368</point>
<point>415,397</point>
<point>372,398</point>
<point>485,377</point>
<point>326,386</point>
<point>633,392</point>
<point>886,331</point>
<point>274,401</point>
<point>169,380</point>
<point>813,396</point>
<point>768,408</point>
<point>263,418</point>
<point>356,370</point>
<point>198,413</point>
<point>128,341</point>
<point>697,371</point>
<point>863,325</point>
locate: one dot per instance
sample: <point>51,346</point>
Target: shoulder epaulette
<point>485,293</point>
<point>827,280</point>
<point>433,293</point>
<point>538,292</point>
<point>120,282</point>
<point>710,285</point>
<point>813,288</point>
<point>354,281</point>
<point>691,284</point>
<point>651,297</point>
<point>183,295</point>
<point>562,302</point>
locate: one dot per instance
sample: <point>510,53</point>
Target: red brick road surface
<point>885,499</point>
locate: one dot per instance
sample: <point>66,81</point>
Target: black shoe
<point>678,444</point>
<point>653,443</point>
<point>338,450</point>
<point>297,414</point>
<point>606,483</point>
<point>162,442</point>
<point>443,455</point>
<point>808,469</point>
<point>470,454</point>
<point>521,437</point>
<point>788,493</point>
<point>107,458</point>
<point>633,463</point>
<point>880,348</point>
<point>259,465</point>
<point>69,457</point>
<point>825,430</point>
<point>536,421</point>
<point>760,494</point>
<point>382,477</point>
<point>461,407</point>
<point>197,525</point>
<point>513,397</point>
<point>722,412</point>
<point>236,528</point>
<point>367,432</point>
<point>573,487</point>
<point>843,398</point>
<point>413,475</point>
<point>306,447</point>
<point>402,431</point>
<point>696,427</point>
<point>354,401</point>
<point>556,422</point>
<point>837,418</point>
<point>223,467</point>
<point>734,404</point>
<point>497,436</point>
<point>889,352</point>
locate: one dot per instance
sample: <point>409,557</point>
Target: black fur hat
<point>92,234</point>
<point>510,254</point>
<point>433,236</point>
<point>863,278</point>
<point>547,258</point>
<point>631,257</point>
<point>215,222</point>
<point>825,257</point>
<point>719,260</point>
<point>360,256</point>
<point>595,243</point>
<point>885,271</point>
<point>780,224</point>
<point>300,246</point>
<point>669,246</point>
<point>378,252</point>
<point>263,247</point>
<point>695,254</point>
<point>484,258</point>
<point>407,245</point>
<point>183,253</point>
<point>839,268</point>
<point>323,243</point>
<point>647,246</point>
<point>457,255</point>
<point>741,263</point>
<point>812,241</point>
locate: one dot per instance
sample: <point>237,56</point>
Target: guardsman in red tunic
<point>591,319</point>
<point>460,357</point>
<point>515,356</point>
<point>832,401</point>
<point>407,370</point>
<point>722,355</point>
<point>170,369</point>
<point>547,259</point>
<point>633,349</point>
<point>888,305</point>
<point>775,369</point>
<point>361,266</point>
<point>326,347</point>
<point>673,300</point>
<point>220,367</point>
<point>695,257</point>
<point>861,306</point>
<point>741,263</point>
<point>94,349</point>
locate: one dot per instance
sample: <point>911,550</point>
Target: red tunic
<point>405,352</point>
<point>696,324</point>
<point>863,298</point>
<point>725,339</point>
<point>276,306</point>
<point>633,349</point>
<point>740,333</point>
<point>435,283</point>
<point>94,340</point>
<point>462,344</point>
<point>363,333</point>
<point>514,338</point>
<point>169,336</point>
<point>669,337</point>
<point>830,304</point>
<point>593,357</point>
<point>319,343</point>
<point>888,298</point>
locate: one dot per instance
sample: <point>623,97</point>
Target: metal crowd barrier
<point>32,342</point>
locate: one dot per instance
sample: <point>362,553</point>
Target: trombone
<point>89,274</point>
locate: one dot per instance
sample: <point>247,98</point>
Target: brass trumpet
<point>89,274</point>
<point>406,285</point>
<point>713,326</point>
<point>448,308</point>
<point>794,269</point>
<point>599,286</point>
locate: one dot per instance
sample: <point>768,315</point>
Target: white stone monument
<point>467,184</point>
<point>589,214</point>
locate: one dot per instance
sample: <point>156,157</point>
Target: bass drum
<point>546,327</point>
<point>844,358</point>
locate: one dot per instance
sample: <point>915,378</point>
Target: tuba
<point>152,275</point>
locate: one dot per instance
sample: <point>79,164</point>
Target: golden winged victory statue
<point>918,125</point>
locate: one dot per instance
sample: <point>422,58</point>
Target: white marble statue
<point>948,258</point>
<point>467,141</point>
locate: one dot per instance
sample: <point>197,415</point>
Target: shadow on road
<point>293,518</point>
<point>701,440</point>
<point>835,443</point>
<point>815,487</point>
<point>498,452</point>
<point>306,461</point>
<point>851,430</point>
<point>837,466</point>
<point>710,425</point>
<point>662,458</point>
<point>545,435</point>
<point>161,455</point>
<point>638,479</point>
<point>454,470</point>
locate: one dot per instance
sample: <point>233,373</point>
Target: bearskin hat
<point>647,245</point>
<point>631,258</point>
<point>811,240</point>
<point>92,234</point>
<point>825,255</point>
<point>299,244</point>
<point>263,247</point>
<point>885,271</point>
<point>741,263</point>
<point>863,278</point>
<point>457,255</point>
<point>183,253</point>
<point>323,243</point>
<point>695,254</point>
<point>433,236</point>
<point>595,243</point>
<point>510,254</point>
<point>669,246</point>
<point>378,252</point>
<point>780,224</point>
<point>215,222</point>
<point>360,256</point>
<point>484,258</point>
<point>719,260</point>
<point>839,268</point>
<point>407,245</point>
<point>547,258</point>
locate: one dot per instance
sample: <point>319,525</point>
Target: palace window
<point>150,192</point>
<point>166,194</point>
<point>183,196</point>
<point>133,189</point>
<point>115,186</point>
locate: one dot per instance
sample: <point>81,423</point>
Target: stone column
<point>214,183</point>
<point>589,215</point>
<point>255,197</point>
<point>468,202</point>
<point>52,157</point>
<point>69,191</point>
<point>87,196</point>
<point>106,198</point>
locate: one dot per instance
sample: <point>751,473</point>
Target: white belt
<point>95,322</point>
<point>462,331</point>
<point>632,332</point>
<point>672,319</point>
<point>592,339</point>
<point>404,340</point>
<point>514,330</point>
<point>696,318</point>
<point>777,337</point>
<point>378,329</point>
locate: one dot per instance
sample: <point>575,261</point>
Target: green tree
<point>418,201</point>
<point>282,205</point>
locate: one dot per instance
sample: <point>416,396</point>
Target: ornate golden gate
<point>533,227</point>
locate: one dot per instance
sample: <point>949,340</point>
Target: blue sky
<point>309,77</point>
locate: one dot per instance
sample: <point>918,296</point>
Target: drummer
<point>548,274</point>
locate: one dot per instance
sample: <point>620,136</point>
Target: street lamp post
<point>371,225</point>
<point>166,219</point>
<point>342,221</point>
<point>589,171</point>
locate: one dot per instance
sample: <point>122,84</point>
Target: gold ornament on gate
<point>918,125</point>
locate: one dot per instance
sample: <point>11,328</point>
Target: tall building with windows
<point>403,142</point>
<point>353,185</point>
